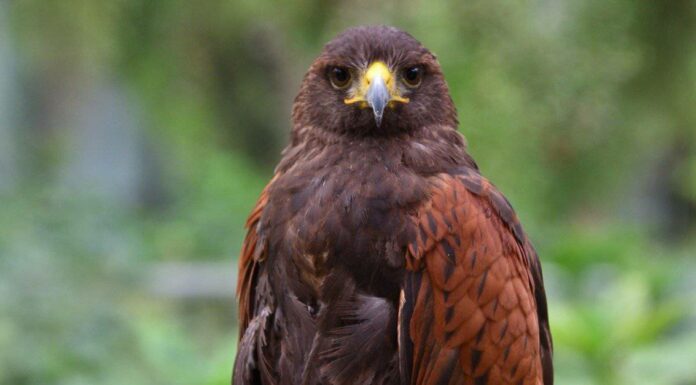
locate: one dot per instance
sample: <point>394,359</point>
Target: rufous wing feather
<point>253,250</point>
<point>473,303</point>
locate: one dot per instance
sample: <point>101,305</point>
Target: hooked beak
<point>377,90</point>
<point>378,97</point>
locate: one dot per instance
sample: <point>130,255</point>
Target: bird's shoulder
<point>463,197</point>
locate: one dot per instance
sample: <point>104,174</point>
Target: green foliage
<point>616,302</point>
<point>580,112</point>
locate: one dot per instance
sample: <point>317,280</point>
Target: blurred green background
<point>135,136</point>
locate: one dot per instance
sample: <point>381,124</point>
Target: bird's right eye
<point>340,77</point>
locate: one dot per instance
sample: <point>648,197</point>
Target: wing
<point>252,253</point>
<point>255,305</point>
<point>473,308</point>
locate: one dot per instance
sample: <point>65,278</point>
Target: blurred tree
<point>663,90</point>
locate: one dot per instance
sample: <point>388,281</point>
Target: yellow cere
<point>375,69</point>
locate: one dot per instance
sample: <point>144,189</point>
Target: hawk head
<point>374,80</point>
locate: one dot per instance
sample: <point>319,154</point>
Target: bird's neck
<point>426,151</point>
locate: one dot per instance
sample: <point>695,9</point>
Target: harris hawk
<point>378,254</point>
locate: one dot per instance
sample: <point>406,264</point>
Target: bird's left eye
<point>413,76</point>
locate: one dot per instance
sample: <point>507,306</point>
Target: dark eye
<point>412,76</point>
<point>339,77</point>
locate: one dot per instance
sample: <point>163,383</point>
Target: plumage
<point>378,254</point>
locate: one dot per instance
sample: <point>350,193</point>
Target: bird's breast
<point>353,216</point>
